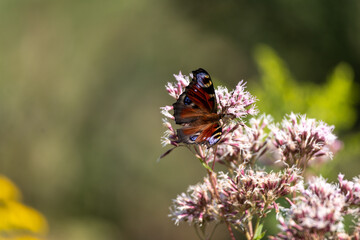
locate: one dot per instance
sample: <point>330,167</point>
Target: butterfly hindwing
<point>211,134</point>
<point>208,133</point>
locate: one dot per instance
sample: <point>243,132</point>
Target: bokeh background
<point>81,83</point>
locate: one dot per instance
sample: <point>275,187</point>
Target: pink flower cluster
<point>241,143</point>
<point>300,139</point>
<point>197,206</point>
<point>351,190</point>
<point>319,211</point>
<point>249,192</point>
<point>258,190</point>
<point>236,102</point>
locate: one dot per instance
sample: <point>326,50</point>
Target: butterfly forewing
<point>196,110</point>
<point>185,111</point>
<point>202,92</point>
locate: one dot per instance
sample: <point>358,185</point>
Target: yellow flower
<point>17,221</point>
<point>21,238</point>
<point>8,192</point>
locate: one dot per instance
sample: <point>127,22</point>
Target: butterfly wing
<point>201,91</point>
<point>209,134</point>
<point>197,99</point>
<point>196,110</point>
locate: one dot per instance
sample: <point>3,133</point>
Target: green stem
<point>248,237</point>
<point>205,165</point>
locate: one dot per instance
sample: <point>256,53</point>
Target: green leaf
<point>258,233</point>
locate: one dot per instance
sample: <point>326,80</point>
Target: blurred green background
<point>81,83</point>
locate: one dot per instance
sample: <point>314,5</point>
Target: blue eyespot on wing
<point>187,100</point>
<point>193,137</point>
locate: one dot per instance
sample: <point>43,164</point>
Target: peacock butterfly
<point>196,111</point>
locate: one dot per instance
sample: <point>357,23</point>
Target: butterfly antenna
<point>166,153</point>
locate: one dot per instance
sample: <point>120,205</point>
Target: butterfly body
<point>196,111</point>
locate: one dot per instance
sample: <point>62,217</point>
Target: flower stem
<point>213,165</point>
<point>213,181</point>
<point>251,233</point>
<point>247,234</point>
<point>230,230</point>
